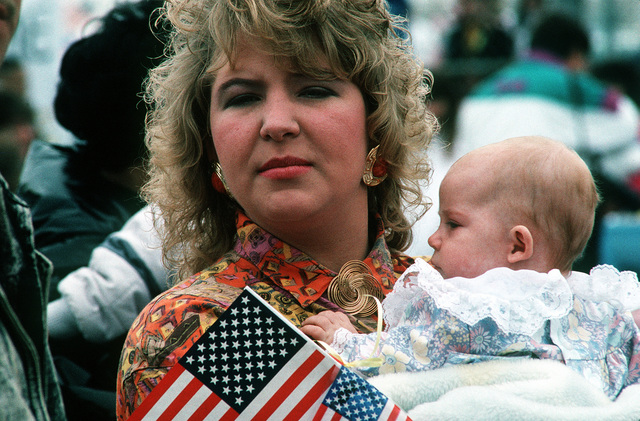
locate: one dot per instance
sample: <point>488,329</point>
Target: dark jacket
<point>74,207</point>
<point>29,387</point>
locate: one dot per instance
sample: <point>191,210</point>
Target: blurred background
<point>47,27</point>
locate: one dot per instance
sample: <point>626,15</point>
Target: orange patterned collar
<point>264,256</point>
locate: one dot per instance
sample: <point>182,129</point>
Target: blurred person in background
<point>17,120</point>
<point>13,77</point>
<point>478,32</point>
<point>549,93</point>
<point>8,23</point>
<point>79,194</point>
<point>100,301</point>
<point>29,388</point>
<point>528,15</point>
<point>623,73</point>
<point>17,131</point>
<point>477,44</point>
<point>97,306</point>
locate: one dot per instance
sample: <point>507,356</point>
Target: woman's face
<point>291,148</point>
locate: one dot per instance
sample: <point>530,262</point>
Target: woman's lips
<point>282,168</point>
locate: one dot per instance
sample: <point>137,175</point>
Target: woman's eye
<point>317,92</point>
<point>241,100</point>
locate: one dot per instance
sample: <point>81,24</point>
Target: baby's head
<point>523,203</point>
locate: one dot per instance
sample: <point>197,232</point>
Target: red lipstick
<point>286,167</point>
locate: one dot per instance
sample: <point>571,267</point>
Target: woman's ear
<point>521,244</point>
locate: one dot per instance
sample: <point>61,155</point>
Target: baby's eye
<point>452,224</point>
<point>241,100</point>
<point>317,92</point>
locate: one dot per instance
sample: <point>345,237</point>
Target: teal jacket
<point>539,96</point>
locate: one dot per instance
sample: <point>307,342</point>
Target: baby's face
<point>472,237</point>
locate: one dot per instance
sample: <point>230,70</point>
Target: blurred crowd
<point>491,82</point>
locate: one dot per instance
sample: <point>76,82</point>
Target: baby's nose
<point>434,241</point>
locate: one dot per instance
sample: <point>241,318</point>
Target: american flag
<point>253,364</point>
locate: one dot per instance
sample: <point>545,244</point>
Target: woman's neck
<point>330,244</point>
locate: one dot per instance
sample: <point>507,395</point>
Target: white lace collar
<point>518,301</point>
<point>606,283</point>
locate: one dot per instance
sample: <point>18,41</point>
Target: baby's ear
<point>522,244</point>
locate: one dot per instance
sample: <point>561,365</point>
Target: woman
<point>283,141</point>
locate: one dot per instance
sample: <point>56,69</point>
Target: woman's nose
<point>279,118</point>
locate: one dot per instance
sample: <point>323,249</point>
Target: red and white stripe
<point>295,391</point>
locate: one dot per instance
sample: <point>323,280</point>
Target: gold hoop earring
<point>375,170</point>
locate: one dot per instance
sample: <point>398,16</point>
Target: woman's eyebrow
<point>256,83</point>
<point>237,81</point>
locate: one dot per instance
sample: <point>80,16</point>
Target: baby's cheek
<point>468,268</point>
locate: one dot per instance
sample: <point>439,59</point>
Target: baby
<point>514,217</point>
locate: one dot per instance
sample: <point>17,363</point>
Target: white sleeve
<point>613,136</point>
<point>61,322</point>
<point>123,274</point>
<point>621,150</point>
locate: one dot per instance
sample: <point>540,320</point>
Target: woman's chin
<point>280,208</point>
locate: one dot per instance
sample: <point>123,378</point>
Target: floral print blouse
<point>285,277</point>
<point>572,324</point>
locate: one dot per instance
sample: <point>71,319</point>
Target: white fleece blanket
<point>508,389</point>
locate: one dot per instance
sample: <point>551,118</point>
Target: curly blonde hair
<point>362,43</point>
